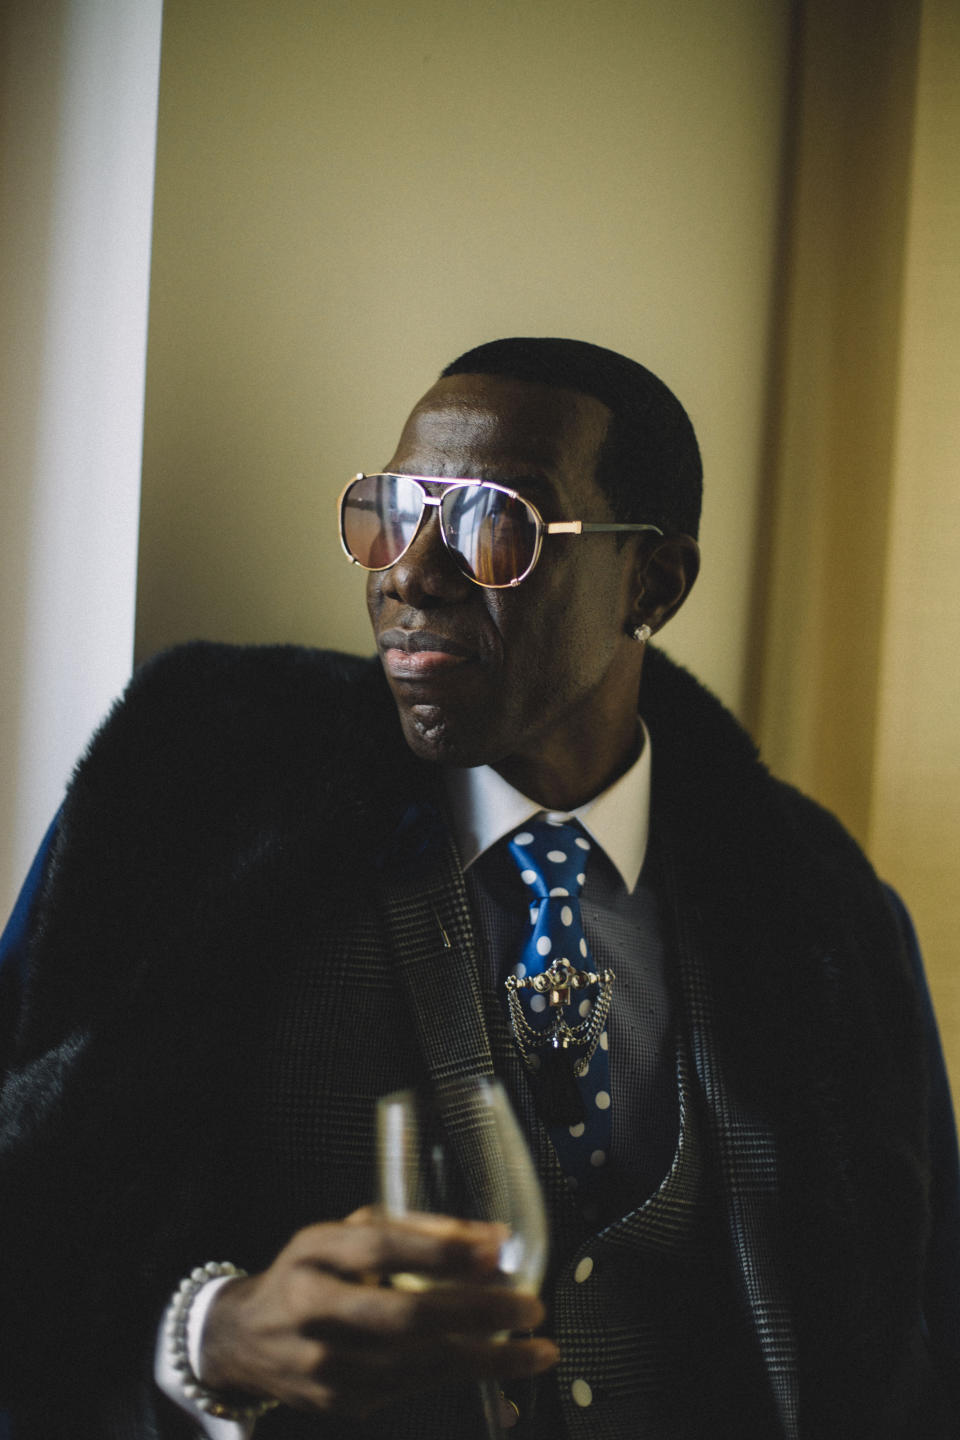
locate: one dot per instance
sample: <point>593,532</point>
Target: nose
<point>427,574</point>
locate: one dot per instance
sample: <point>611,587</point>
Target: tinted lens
<point>493,535</point>
<point>379,516</point>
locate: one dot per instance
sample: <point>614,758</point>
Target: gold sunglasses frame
<point>543,527</point>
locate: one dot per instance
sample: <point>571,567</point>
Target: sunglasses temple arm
<point>583,527</point>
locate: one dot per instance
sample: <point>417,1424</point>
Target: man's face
<point>539,681</point>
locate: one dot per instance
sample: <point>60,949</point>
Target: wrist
<point>184,1324</point>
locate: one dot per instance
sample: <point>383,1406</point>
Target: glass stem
<point>490,1395</point>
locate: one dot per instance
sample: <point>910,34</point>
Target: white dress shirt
<point>484,808</point>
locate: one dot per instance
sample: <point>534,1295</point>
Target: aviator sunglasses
<point>493,534</point>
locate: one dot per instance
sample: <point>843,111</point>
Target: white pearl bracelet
<point>176,1327</point>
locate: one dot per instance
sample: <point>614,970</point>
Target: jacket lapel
<point>427,918</point>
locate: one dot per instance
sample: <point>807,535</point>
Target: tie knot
<point>551,857</point>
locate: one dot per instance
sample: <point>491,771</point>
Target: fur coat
<point>230,809</point>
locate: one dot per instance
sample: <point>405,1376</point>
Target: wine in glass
<point>458,1150</point>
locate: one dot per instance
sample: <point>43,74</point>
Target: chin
<point>432,737</point>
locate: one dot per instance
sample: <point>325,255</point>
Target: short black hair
<point>649,464</point>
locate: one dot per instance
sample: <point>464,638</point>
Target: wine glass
<point>458,1150</point>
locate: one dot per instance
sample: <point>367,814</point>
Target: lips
<point>417,654</point>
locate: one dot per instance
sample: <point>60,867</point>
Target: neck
<point>571,778</point>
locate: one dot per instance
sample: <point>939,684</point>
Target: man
<point>281,887</point>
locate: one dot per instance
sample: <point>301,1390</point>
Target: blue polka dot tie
<point>557,1001</point>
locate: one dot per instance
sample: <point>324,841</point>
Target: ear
<point>665,577</point>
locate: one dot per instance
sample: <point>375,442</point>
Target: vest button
<point>584,1270</point>
<point>509,1412</point>
<point>582,1394</point>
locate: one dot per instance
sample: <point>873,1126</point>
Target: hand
<point>318,1331</point>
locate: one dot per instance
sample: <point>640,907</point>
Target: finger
<point>338,1306</point>
<point>436,1245</point>
<point>468,1358</point>
<point>427,1221</point>
<point>448,1360</point>
<point>355,1381</point>
<point>364,1216</point>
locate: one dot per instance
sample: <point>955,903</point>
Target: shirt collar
<point>484,808</point>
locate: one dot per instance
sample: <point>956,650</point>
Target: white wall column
<point>78,88</point>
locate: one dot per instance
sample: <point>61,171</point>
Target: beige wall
<point>836,410</point>
<point>915,812</point>
<point>349,194</point>
<point>858,667</point>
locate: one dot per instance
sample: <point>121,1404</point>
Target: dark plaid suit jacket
<point>254,922</point>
